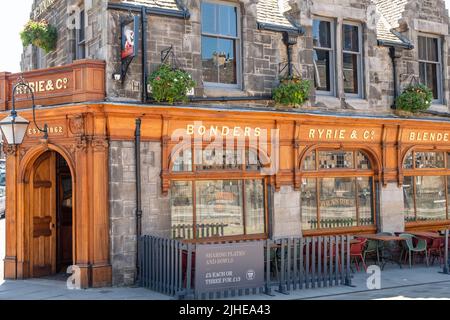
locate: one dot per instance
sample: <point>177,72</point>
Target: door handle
<point>52,225</point>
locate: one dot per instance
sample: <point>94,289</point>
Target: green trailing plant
<point>292,91</point>
<point>415,98</point>
<point>170,84</point>
<point>41,34</point>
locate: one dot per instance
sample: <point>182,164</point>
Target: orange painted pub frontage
<point>67,195</point>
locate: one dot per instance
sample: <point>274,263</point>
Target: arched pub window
<point>426,185</point>
<point>337,190</point>
<point>224,195</point>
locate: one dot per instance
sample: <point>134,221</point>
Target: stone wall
<point>286,215</point>
<point>262,53</point>
<point>155,207</point>
<point>391,208</point>
<point>58,16</point>
<point>426,17</point>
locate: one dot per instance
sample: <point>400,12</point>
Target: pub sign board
<point>130,31</point>
<point>229,266</point>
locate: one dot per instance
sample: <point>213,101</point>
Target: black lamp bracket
<point>22,83</point>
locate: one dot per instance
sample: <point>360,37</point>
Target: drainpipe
<point>144,53</point>
<point>137,152</point>
<point>394,75</point>
<point>289,39</point>
<point>393,55</point>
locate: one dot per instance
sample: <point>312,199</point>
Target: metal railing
<point>446,256</point>
<point>339,222</point>
<point>168,266</point>
<point>186,231</point>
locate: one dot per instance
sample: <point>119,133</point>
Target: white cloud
<point>12,19</point>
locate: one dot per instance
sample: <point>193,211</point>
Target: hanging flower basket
<point>415,98</point>
<point>41,34</point>
<point>170,84</point>
<point>292,91</point>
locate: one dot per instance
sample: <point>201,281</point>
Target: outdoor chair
<point>435,249</point>
<point>410,249</point>
<point>356,253</point>
<point>371,249</point>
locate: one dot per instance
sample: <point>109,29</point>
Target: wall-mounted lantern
<point>14,127</point>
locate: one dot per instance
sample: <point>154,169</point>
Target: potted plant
<point>170,84</point>
<point>41,34</point>
<point>415,98</point>
<point>292,91</point>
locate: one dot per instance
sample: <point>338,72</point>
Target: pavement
<point>419,282</point>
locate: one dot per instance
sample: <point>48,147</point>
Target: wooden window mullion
<point>357,200</point>
<point>194,207</point>
<point>244,205</point>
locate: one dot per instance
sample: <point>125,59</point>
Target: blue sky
<point>12,19</point>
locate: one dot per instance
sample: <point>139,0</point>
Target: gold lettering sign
<point>337,202</point>
<point>51,130</point>
<point>427,136</point>
<point>224,131</point>
<point>330,134</point>
<point>45,86</point>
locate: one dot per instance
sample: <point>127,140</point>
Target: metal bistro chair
<point>420,247</point>
<point>356,252</point>
<point>372,249</point>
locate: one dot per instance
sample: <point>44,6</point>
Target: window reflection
<point>335,160</point>
<point>218,210</point>
<point>430,198</point>
<point>429,160</point>
<point>254,206</point>
<point>219,202</point>
<point>309,204</point>
<point>408,199</point>
<point>337,202</point>
<point>309,163</point>
<point>219,36</point>
<point>181,210</point>
<point>365,200</point>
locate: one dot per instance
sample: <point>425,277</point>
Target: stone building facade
<point>388,34</point>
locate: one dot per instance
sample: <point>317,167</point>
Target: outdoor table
<point>426,234</point>
<point>385,238</point>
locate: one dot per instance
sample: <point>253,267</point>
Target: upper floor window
<point>79,50</point>
<point>430,64</point>
<point>324,53</point>
<point>220,43</point>
<point>352,58</point>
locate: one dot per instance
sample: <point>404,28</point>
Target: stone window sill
<point>358,103</point>
<point>439,107</point>
<point>215,92</point>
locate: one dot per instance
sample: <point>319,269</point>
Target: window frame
<point>319,174</point>
<point>80,44</point>
<point>242,174</point>
<point>421,172</point>
<point>439,64</point>
<point>360,64</point>
<point>237,39</point>
<point>332,52</point>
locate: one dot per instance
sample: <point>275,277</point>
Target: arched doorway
<point>49,211</point>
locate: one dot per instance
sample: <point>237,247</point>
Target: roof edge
<point>279,28</point>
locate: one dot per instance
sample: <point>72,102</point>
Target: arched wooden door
<point>42,212</point>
